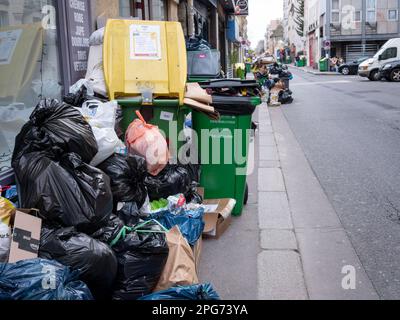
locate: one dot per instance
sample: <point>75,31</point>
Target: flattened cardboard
<point>26,236</point>
<point>217,221</point>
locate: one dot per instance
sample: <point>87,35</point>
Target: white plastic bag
<point>101,117</point>
<point>5,241</point>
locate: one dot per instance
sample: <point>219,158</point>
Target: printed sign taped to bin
<point>145,42</point>
<point>8,43</point>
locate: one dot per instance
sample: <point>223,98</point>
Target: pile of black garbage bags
<point>280,74</point>
<point>86,210</point>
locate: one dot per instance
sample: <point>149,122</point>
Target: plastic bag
<point>129,213</point>
<point>108,233</point>
<point>101,117</point>
<point>180,268</point>
<point>96,262</point>
<point>196,292</point>
<point>190,222</point>
<point>7,211</point>
<point>57,128</point>
<point>147,141</point>
<point>142,254</point>
<point>40,279</point>
<point>69,193</point>
<point>174,179</point>
<point>127,174</point>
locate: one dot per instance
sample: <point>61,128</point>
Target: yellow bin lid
<point>145,58</point>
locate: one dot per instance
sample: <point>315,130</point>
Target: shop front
<point>43,50</point>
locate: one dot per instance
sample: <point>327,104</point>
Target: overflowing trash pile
<point>113,223</point>
<point>275,78</point>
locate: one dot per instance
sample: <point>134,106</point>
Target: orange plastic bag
<point>147,141</point>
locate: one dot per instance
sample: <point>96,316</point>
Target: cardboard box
<point>25,239</point>
<point>218,216</point>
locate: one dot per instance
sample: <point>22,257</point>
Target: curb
<point>316,73</point>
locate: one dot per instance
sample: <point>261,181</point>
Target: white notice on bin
<point>8,43</point>
<point>145,42</point>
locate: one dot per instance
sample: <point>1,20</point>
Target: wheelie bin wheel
<point>246,194</point>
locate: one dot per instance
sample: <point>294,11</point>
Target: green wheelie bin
<point>223,145</point>
<point>161,113</point>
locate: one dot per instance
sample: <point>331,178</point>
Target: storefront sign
<point>242,7</point>
<point>79,30</point>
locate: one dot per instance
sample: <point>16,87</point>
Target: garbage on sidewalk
<point>195,292</point>
<point>95,260</point>
<point>180,268</point>
<point>142,253</point>
<point>115,219</point>
<point>40,279</point>
<point>147,141</point>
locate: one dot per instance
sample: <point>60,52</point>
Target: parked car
<point>391,71</point>
<point>352,67</point>
<point>389,52</point>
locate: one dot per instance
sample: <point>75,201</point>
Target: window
<point>144,9</point>
<point>335,11</point>
<point>29,66</point>
<point>371,10</point>
<point>392,15</point>
<point>389,53</point>
<point>357,16</point>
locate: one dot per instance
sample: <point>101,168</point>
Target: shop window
<point>29,66</point>
<point>145,9</point>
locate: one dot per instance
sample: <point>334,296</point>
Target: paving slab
<point>273,239</point>
<point>269,153</point>
<point>280,276</point>
<point>273,211</point>
<point>271,179</point>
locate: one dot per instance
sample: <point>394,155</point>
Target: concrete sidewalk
<point>304,246</point>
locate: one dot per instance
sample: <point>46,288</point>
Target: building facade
<point>44,47</point>
<point>292,38</point>
<point>274,37</point>
<point>349,29</point>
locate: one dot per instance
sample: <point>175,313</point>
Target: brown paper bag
<point>180,268</point>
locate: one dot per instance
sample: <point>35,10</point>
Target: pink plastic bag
<point>147,141</point>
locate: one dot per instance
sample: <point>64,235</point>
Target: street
<point>349,130</point>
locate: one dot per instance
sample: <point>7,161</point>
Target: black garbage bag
<point>56,128</point>
<point>129,213</point>
<point>285,96</point>
<point>40,279</point>
<point>95,261</point>
<point>109,232</point>
<point>142,255</point>
<point>174,179</point>
<point>68,193</point>
<point>127,174</point>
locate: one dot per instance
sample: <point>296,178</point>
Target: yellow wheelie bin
<point>145,69</point>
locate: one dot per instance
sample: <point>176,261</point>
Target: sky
<point>261,13</point>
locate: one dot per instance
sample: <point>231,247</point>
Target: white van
<point>389,52</point>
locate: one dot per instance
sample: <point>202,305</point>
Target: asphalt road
<point>349,129</point>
